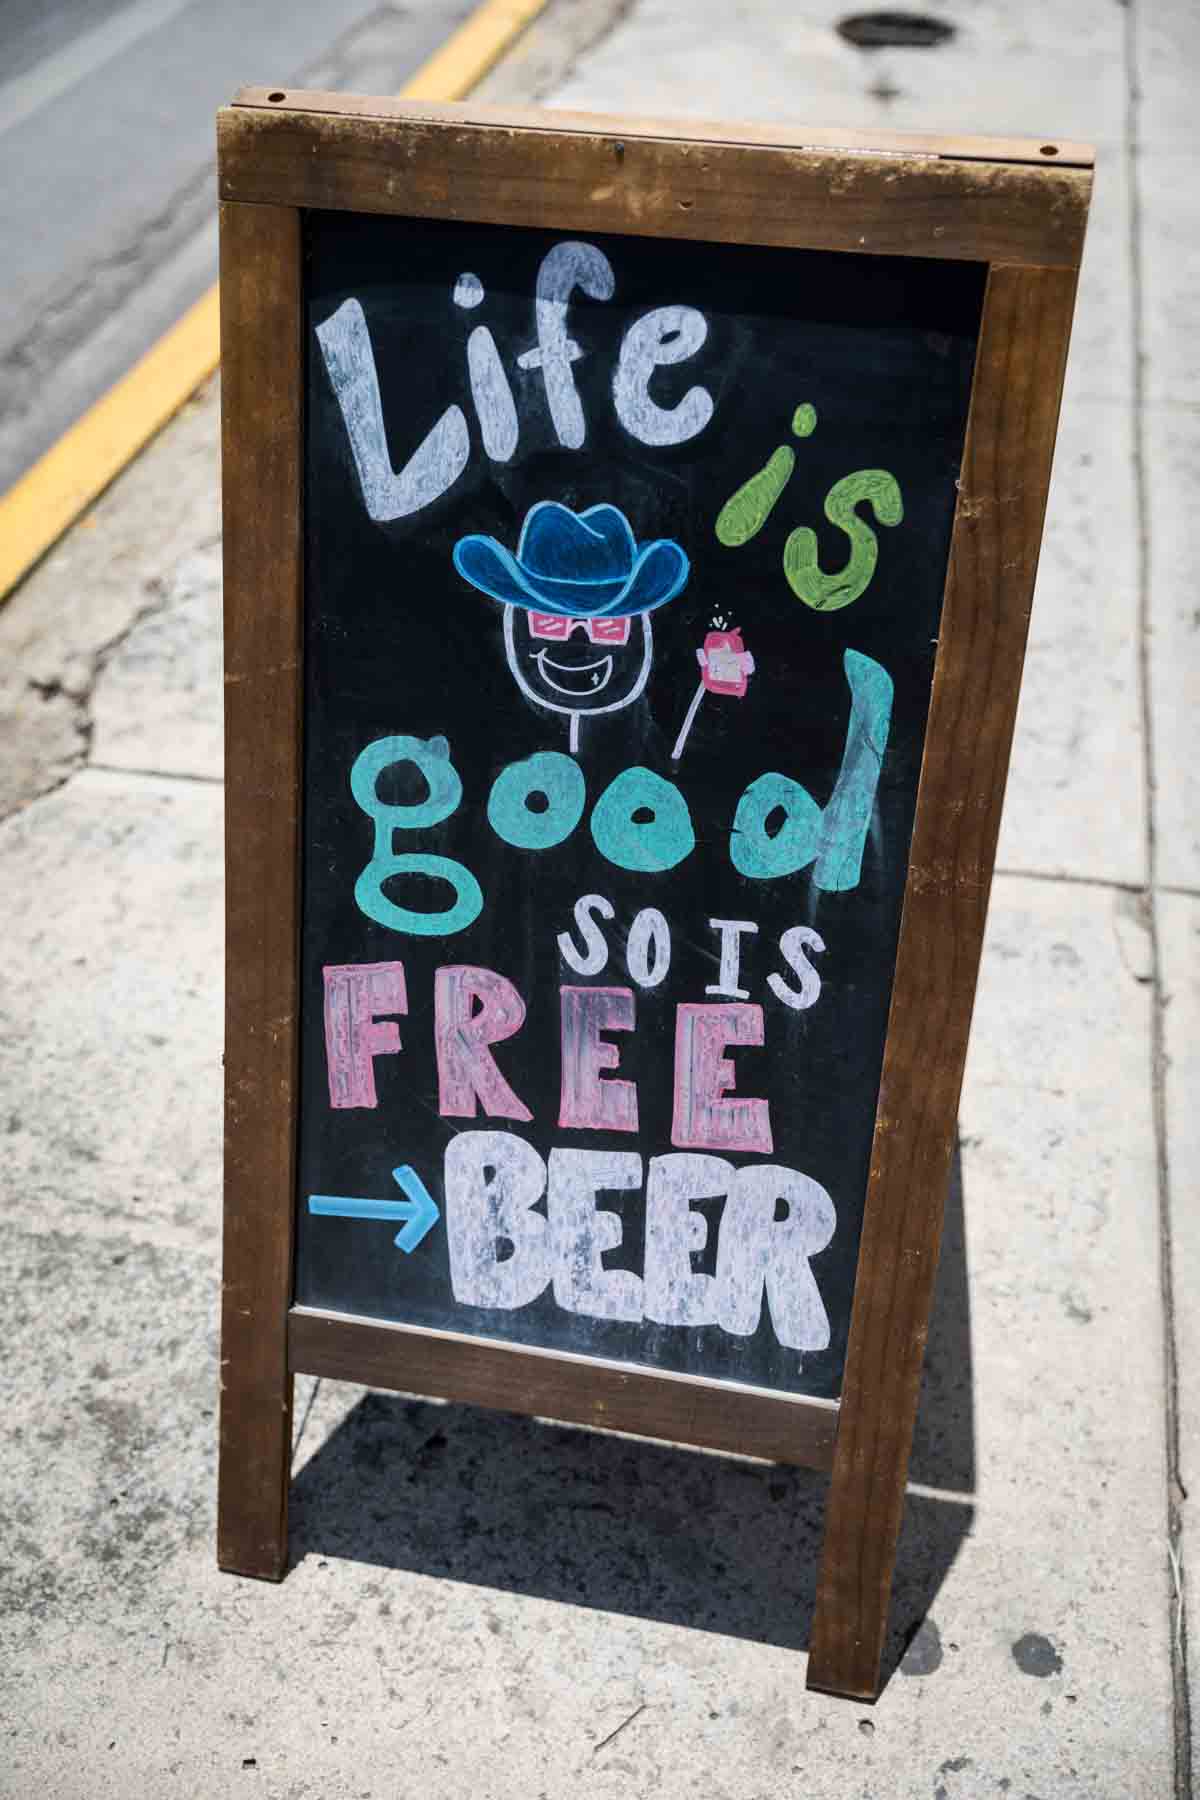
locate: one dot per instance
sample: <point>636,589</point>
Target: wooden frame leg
<point>261,435</point>
<point>854,1590</point>
<point>255,1468</point>
<point>997,534</point>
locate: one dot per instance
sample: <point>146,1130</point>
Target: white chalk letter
<point>435,466</point>
<point>568,266</point>
<point>494,404</point>
<point>669,335</point>
<point>649,932</point>
<point>791,947</point>
<point>726,983</point>
<point>580,1233</point>
<point>756,1250</point>
<point>594,955</point>
<point>674,1293</point>
<point>491,1181</point>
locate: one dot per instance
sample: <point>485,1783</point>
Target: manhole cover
<point>894,30</point>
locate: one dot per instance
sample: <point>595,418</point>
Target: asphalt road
<point>107,201</point>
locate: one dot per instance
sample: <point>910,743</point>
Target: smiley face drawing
<point>577,599</point>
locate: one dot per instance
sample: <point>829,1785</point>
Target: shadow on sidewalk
<point>637,1527</point>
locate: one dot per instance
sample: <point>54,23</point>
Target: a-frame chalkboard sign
<point>630,533</point>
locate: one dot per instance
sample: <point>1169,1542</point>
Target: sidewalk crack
<point>79,693</point>
<point>1175,1493</point>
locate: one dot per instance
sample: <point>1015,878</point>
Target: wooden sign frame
<point>1017,207</point>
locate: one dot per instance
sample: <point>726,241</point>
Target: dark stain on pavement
<point>923,1652</point>
<point>1036,1655</point>
<point>954,1765</point>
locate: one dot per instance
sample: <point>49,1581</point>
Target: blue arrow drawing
<point>419,1210</point>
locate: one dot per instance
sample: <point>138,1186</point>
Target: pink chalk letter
<point>705,1119</point>
<point>356,994</point>
<point>587,1103</point>
<point>473,1008</point>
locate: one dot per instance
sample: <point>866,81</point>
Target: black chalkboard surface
<point>624,562</point>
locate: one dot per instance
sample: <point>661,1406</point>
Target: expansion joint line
<point>1176,1493</point>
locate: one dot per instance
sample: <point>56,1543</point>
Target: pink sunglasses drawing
<point>557,628</point>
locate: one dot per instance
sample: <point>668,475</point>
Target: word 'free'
<point>476,1009</point>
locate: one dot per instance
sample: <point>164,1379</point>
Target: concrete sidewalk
<point>487,1607</point>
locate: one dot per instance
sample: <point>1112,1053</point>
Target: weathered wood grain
<point>1063,152</point>
<point>606,177</point>
<point>261,369</point>
<point>993,561</point>
<point>582,1390</point>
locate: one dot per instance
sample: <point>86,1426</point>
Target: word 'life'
<point>667,335</point>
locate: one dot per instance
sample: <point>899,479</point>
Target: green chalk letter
<point>747,511</point>
<point>827,593</point>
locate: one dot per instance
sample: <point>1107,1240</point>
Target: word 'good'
<point>640,822</point>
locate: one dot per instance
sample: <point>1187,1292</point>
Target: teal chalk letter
<point>764,856</point>
<point>556,777</point>
<point>834,838</point>
<point>432,758</point>
<point>847,818</point>
<point>650,844</point>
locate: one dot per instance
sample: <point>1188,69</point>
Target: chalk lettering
<point>648,948</point>
<point>674,1293</point>
<point>828,593</point>
<point>593,958</point>
<point>706,1116</point>
<point>669,335</point>
<point>567,267</point>
<point>731,953</point>
<point>755,1251</point>
<point>356,995</point>
<point>474,1008</point>
<point>581,1232</point>
<point>494,405</point>
<point>642,822</point>
<point>492,1180</point>
<point>434,466</point>
<point>549,776</point>
<point>792,946</point>
<point>432,759</point>
<point>586,1102</point>
<point>832,839</point>
<point>503,1254</point>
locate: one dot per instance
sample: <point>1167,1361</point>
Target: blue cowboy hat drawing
<point>577,565</point>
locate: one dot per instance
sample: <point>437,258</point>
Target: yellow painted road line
<point>39,507</point>
<point>63,483</point>
<point>465,58</point>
